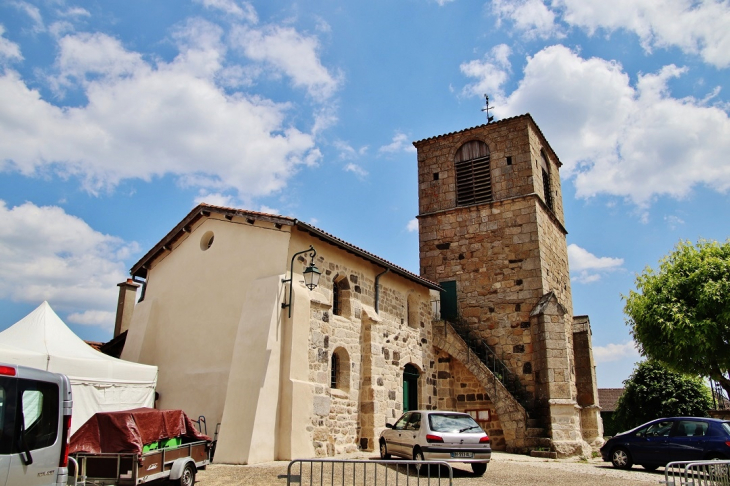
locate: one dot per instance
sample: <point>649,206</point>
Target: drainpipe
<point>377,289</point>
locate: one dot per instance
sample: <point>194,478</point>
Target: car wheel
<point>621,458</point>
<point>479,468</point>
<point>418,456</point>
<point>384,450</point>
<point>649,467</point>
<point>188,476</point>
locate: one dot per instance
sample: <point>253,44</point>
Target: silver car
<point>434,435</point>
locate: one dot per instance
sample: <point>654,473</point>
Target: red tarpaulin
<point>129,430</point>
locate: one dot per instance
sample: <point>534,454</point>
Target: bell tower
<point>492,234</point>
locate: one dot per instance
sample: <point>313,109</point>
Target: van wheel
<point>188,476</point>
<point>479,468</point>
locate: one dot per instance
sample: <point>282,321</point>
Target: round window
<point>207,240</point>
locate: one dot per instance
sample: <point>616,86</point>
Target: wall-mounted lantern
<point>311,275</point>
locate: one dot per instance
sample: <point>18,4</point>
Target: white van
<point>35,420</point>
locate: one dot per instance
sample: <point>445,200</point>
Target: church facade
<point>290,370</point>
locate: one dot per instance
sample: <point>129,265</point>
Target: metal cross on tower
<point>487,108</point>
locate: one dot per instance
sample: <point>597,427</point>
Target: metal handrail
<point>488,356</point>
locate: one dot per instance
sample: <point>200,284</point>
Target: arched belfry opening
<point>410,387</point>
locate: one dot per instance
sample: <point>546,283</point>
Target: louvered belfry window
<point>473,174</point>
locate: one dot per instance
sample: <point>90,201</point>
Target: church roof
<point>205,210</point>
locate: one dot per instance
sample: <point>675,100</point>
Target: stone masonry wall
<point>377,345</point>
<point>504,255</point>
<point>459,390</point>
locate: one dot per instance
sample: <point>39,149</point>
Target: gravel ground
<point>504,470</point>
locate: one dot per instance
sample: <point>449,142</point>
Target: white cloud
<point>245,11</point>
<point>412,225</point>
<point>347,151</point>
<point>491,72</point>
<point>588,266</point>
<point>581,259</point>
<point>615,139</point>
<point>615,352</point>
<point>673,221</point>
<point>400,143</point>
<point>285,51</point>
<point>531,17</point>
<point>145,120</point>
<point>216,199</point>
<point>103,319</point>
<point>356,169</point>
<point>46,254</point>
<point>697,27</point>
<point>33,12</point>
<point>9,51</point>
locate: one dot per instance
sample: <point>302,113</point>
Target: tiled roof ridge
<point>202,207</point>
<point>503,120</point>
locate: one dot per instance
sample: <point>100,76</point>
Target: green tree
<point>654,391</point>
<point>680,315</point>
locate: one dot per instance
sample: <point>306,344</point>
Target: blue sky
<point>116,118</point>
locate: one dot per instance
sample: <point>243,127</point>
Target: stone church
<point>299,344</point>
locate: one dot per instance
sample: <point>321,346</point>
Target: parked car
<point>665,440</point>
<point>431,435</point>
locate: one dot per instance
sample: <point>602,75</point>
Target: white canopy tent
<point>99,382</point>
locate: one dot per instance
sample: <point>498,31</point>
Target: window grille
<point>335,364</point>
<point>473,174</point>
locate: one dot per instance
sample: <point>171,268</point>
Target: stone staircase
<point>521,432</point>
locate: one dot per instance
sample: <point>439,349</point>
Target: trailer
<point>177,464</point>
<point>136,447</point>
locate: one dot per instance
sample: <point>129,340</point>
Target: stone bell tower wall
<point>504,254</point>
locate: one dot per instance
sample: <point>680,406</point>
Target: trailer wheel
<point>187,478</point>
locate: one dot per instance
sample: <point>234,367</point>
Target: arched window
<point>546,188</point>
<point>473,174</point>
<point>340,296</point>
<point>336,299</point>
<point>340,370</point>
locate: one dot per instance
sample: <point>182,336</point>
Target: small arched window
<point>473,174</point>
<point>340,296</point>
<point>546,187</point>
<point>340,370</point>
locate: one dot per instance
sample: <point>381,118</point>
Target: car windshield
<point>452,422</point>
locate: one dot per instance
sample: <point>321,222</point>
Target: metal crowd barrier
<point>697,473</point>
<point>343,472</point>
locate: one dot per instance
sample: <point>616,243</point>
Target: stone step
<point>544,454</point>
<point>539,442</point>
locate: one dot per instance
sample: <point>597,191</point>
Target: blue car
<point>664,440</point>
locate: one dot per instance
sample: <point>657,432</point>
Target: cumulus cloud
<point>615,352</point>
<point>412,225</point>
<point>47,254</point>
<point>144,120</point>
<point>636,142</point>
<point>491,72</point>
<point>696,27</point>
<point>400,143</point>
<point>531,17</point>
<point>283,50</point>
<point>588,266</point>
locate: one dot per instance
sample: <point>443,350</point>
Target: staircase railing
<point>488,356</point>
